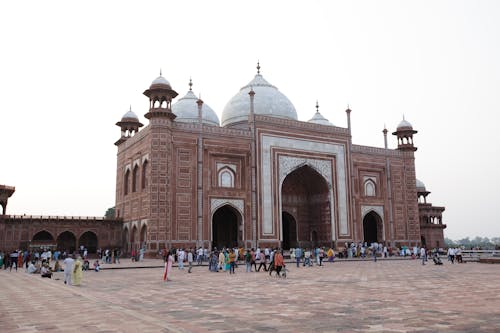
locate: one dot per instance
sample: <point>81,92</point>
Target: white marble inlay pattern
<point>289,163</point>
<point>266,184</point>
<point>216,203</point>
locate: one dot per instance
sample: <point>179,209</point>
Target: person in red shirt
<point>279,262</point>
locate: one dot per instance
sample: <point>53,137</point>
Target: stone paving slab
<point>363,296</point>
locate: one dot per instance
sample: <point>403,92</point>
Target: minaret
<point>160,95</point>
<point>388,185</point>
<point>404,133</point>
<point>253,152</point>
<point>351,179</point>
<point>199,102</point>
<point>129,126</point>
<point>160,115</point>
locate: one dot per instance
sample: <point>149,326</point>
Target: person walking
<point>423,255</point>
<point>68,269</point>
<point>298,255</point>
<point>279,262</point>
<point>78,272</point>
<point>168,266</point>
<point>190,260</point>
<point>262,261</point>
<point>13,260</point>
<point>232,261</point>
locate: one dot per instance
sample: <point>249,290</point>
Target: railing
<point>55,217</point>
<point>475,255</point>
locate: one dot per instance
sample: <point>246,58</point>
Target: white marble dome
<point>420,186</point>
<point>268,101</point>
<point>160,80</point>
<point>319,119</point>
<point>130,116</point>
<point>186,110</point>
<point>404,124</point>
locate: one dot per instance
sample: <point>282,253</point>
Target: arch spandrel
<point>288,164</point>
<point>216,203</point>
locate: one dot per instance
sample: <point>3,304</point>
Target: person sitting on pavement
<point>97,266</point>
<point>45,271</point>
<point>31,268</point>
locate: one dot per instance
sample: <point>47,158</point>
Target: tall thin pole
<point>254,168</point>
<point>200,175</point>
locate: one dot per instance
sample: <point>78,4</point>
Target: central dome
<point>268,101</point>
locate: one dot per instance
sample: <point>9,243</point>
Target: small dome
<point>319,119</point>
<point>130,116</point>
<point>160,80</point>
<point>186,110</point>
<point>404,125</point>
<point>268,101</point>
<point>420,186</point>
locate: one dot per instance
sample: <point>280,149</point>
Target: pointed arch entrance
<point>289,231</point>
<point>144,236</point>
<point>372,228</point>
<point>125,238</point>
<point>306,193</point>
<point>66,241</point>
<point>134,238</point>
<point>89,240</point>
<point>226,222</point>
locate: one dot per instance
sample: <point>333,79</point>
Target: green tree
<point>110,213</point>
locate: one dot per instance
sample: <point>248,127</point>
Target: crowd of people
<point>45,262</point>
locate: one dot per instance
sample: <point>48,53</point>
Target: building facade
<point>259,177</point>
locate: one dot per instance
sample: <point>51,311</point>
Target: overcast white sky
<point>69,71</point>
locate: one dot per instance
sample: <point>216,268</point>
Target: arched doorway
<point>422,240</point>
<point>289,231</point>
<point>144,231</point>
<point>43,239</point>
<point>43,236</point>
<point>66,241</point>
<point>125,237</point>
<point>134,238</point>
<point>89,240</point>
<point>226,222</point>
<point>372,228</point>
<point>306,193</point>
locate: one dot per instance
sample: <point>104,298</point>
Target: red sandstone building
<point>260,177</point>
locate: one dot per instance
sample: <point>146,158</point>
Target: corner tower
<point>161,117</point>
<point>404,133</point>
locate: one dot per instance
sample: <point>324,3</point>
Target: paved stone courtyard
<point>363,296</point>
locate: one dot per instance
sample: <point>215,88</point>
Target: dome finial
<point>258,67</point>
<point>160,71</point>
<point>317,107</point>
<point>130,107</point>
<point>404,116</point>
<point>190,84</point>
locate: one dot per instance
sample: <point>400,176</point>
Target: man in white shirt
<point>423,255</point>
<point>68,269</point>
<point>190,259</point>
<point>181,255</point>
<point>199,257</point>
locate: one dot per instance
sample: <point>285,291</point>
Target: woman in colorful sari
<point>77,272</point>
<point>330,254</point>
<point>226,260</point>
<point>168,266</point>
